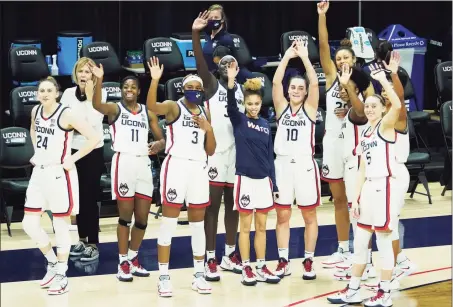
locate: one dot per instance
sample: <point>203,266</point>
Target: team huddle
<point>218,145</point>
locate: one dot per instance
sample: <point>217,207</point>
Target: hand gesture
<point>323,6</point>
<point>276,196</point>
<point>89,90</point>
<point>302,48</point>
<point>154,68</point>
<point>291,52</point>
<point>201,22</point>
<point>345,75</point>
<point>98,72</point>
<point>340,112</point>
<point>355,209</point>
<point>378,72</point>
<point>394,63</point>
<point>232,70</point>
<point>202,122</point>
<point>155,147</point>
<point>68,163</point>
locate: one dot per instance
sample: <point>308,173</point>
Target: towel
<point>361,44</point>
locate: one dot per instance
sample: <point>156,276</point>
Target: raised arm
<point>389,120</point>
<point>232,107</point>
<point>109,109</point>
<point>278,96</point>
<point>312,101</point>
<point>209,81</point>
<point>393,66</point>
<point>159,140</point>
<point>168,106</point>
<point>327,64</point>
<point>344,76</point>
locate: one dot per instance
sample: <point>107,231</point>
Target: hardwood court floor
<point>428,234</point>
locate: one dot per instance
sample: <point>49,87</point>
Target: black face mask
<point>213,25</point>
<point>79,95</point>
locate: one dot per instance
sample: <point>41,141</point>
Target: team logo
<point>325,170</point>
<point>37,122</point>
<point>52,122</point>
<point>213,173</point>
<point>123,189</point>
<point>125,116</point>
<point>245,200</point>
<point>171,194</point>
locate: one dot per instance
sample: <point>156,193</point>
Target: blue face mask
<point>194,96</point>
<point>213,25</point>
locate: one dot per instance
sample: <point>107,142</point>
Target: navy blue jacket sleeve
<point>243,75</point>
<point>271,162</point>
<point>232,108</point>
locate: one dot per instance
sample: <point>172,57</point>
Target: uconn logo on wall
<point>162,46</point>
<point>26,52</point>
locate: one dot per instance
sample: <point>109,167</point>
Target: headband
<point>192,78</point>
<point>228,56</point>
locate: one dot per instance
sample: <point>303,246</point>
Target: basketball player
<point>183,176</point>
<point>403,266</point>
<point>221,166</point>
<point>132,179</point>
<point>255,186</point>
<point>333,164</point>
<point>376,205</point>
<point>296,171</point>
<point>54,184</point>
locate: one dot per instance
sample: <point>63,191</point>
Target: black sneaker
<point>78,249</point>
<point>91,253</point>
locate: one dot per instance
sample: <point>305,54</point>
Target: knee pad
<point>396,232</point>
<point>124,223</point>
<point>31,224</point>
<point>384,244</point>
<point>140,226</point>
<point>198,238</point>
<point>62,236</point>
<point>167,228</point>
<point>361,240</point>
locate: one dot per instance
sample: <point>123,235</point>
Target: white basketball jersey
<point>184,138</point>
<point>130,131</point>
<point>351,134</point>
<point>295,134</point>
<point>402,146</point>
<point>221,124</point>
<point>379,155</point>
<point>333,101</point>
<point>53,143</point>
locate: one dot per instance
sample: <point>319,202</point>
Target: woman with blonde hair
<point>79,98</point>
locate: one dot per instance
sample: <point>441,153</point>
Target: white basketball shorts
<point>183,180</point>
<point>222,168</point>
<point>253,194</point>
<point>53,188</point>
<point>131,177</point>
<point>332,158</point>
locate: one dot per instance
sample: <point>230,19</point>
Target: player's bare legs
<point>125,209</point>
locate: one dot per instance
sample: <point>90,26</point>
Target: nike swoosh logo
<point>351,167</point>
<point>309,169</point>
<point>58,177</point>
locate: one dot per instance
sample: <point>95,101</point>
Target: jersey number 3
<point>195,137</point>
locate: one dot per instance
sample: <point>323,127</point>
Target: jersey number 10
<point>291,134</point>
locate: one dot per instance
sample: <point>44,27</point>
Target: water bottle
<point>54,69</point>
<point>49,62</point>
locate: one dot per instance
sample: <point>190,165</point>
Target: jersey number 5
<point>368,158</point>
<point>195,137</point>
<point>42,142</point>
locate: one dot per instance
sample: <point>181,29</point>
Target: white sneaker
<point>382,299</point>
<point>59,285</point>
<point>200,284</point>
<point>346,296</point>
<point>283,268</point>
<point>336,259</point>
<point>265,275</point>
<point>371,270</point>
<point>164,286</point>
<point>50,275</point>
<point>309,271</point>
<point>404,268</point>
<point>231,263</point>
<point>137,269</point>
<point>248,277</point>
<point>345,275</point>
<point>210,270</point>
<point>124,271</point>
<point>374,286</point>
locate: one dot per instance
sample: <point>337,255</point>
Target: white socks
<point>283,253</point>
